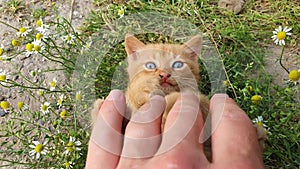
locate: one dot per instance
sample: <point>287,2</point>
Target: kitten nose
<point>164,75</point>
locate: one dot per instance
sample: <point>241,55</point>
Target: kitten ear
<point>193,46</point>
<point>132,44</point>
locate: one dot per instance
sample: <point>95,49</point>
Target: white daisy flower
<point>45,108</point>
<point>69,39</point>
<point>41,27</point>
<point>280,35</point>
<point>40,92</point>
<point>53,84</point>
<point>68,164</point>
<point>78,96</point>
<point>60,100</point>
<point>260,121</point>
<point>38,149</point>
<point>1,49</point>
<point>22,106</point>
<point>29,49</point>
<point>3,56</point>
<point>4,77</point>
<point>72,145</point>
<point>38,46</point>
<point>24,31</point>
<point>121,12</point>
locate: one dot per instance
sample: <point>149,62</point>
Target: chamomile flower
<point>42,27</point>
<point>3,77</point>
<point>40,92</point>
<point>78,96</point>
<point>1,49</point>
<point>68,164</point>
<point>280,34</point>
<point>45,108</point>
<point>72,145</point>
<point>15,42</point>
<point>294,75</point>
<point>63,114</point>
<point>38,149</point>
<point>22,106</point>
<point>53,84</point>
<point>38,46</point>
<point>69,39</point>
<point>5,105</point>
<point>29,49</point>
<point>121,12</point>
<point>60,100</point>
<point>24,31</point>
<point>41,36</point>
<point>2,55</point>
<point>260,121</point>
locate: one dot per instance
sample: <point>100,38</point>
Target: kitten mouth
<point>165,84</point>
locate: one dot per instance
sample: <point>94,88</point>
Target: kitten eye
<point>177,65</point>
<point>150,65</point>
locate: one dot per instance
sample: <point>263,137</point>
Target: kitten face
<point>166,67</point>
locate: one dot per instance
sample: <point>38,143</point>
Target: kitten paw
<point>157,92</point>
<point>235,6</point>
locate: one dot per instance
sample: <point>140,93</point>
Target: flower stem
<point>4,23</point>
<point>280,60</point>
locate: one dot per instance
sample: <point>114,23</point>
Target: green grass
<point>241,41</point>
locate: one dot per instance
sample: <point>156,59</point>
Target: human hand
<point>234,140</point>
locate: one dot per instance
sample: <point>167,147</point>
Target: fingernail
<point>115,95</point>
<point>221,95</point>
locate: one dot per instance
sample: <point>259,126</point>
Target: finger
<point>142,135</point>
<point>233,134</point>
<point>184,120</point>
<point>181,138</point>
<point>106,139</point>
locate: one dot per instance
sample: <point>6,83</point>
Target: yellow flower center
<point>5,105</point>
<point>20,105</point>
<point>294,75</point>
<point>67,164</point>
<point>2,77</point>
<point>259,123</point>
<point>40,92</point>
<point>22,30</point>
<point>250,88</point>
<point>70,146</point>
<point>29,47</point>
<point>39,148</point>
<point>281,35</point>
<point>63,114</point>
<point>78,97</point>
<point>1,51</point>
<point>226,83</point>
<point>68,38</point>
<point>39,36</point>
<point>121,12</point>
<point>60,101</point>
<point>255,99</point>
<point>37,48</point>
<point>52,84</point>
<point>15,42</point>
<point>39,23</point>
<point>44,107</point>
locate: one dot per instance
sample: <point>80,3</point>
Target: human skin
<point>234,139</point>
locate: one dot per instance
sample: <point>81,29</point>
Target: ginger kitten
<point>164,69</point>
